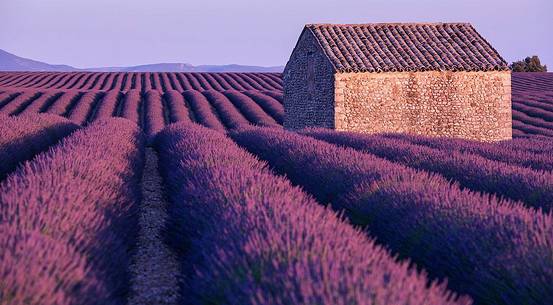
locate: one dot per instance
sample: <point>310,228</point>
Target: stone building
<point>440,79</point>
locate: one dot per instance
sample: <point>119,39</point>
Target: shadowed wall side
<point>308,86</point>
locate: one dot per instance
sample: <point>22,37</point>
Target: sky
<point>94,33</point>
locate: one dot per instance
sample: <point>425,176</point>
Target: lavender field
<point>183,188</point>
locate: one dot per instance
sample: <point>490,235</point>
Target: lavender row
<point>534,188</point>
<point>178,110</point>
<point>250,109</point>
<point>29,254</point>
<point>534,144</point>
<point>487,150</point>
<point>234,83</point>
<point>497,251</point>
<point>108,105</point>
<point>214,83</point>
<point>277,95</point>
<point>194,83</point>
<point>68,218</point>
<point>80,113</point>
<point>531,129</point>
<point>19,102</point>
<point>533,103</point>
<point>269,104</point>
<point>544,114</point>
<point>63,103</point>
<point>528,119</point>
<point>231,117</point>
<point>203,112</point>
<point>154,116</point>
<point>248,83</point>
<point>219,110</point>
<point>147,81</point>
<point>518,133</point>
<point>157,82</point>
<point>27,135</point>
<point>131,105</point>
<point>5,97</point>
<point>175,83</point>
<point>245,236</point>
<point>41,103</point>
<point>168,81</point>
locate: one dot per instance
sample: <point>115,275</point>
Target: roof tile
<point>389,47</point>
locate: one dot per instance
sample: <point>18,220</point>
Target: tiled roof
<point>388,47</point>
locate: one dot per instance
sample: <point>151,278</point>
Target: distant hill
<point>11,62</point>
<point>182,67</point>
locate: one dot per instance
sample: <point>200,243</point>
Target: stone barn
<point>439,79</point>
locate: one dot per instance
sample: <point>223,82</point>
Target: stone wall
<point>472,105</point>
<point>308,86</point>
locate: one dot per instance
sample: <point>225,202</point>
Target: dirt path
<point>154,269</point>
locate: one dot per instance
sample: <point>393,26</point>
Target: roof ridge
<point>309,25</point>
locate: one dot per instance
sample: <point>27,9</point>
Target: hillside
<point>11,62</point>
<point>180,67</point>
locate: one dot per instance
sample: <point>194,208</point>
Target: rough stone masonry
<point>471,105</point>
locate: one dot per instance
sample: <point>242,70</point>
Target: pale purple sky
<point>91,33</point>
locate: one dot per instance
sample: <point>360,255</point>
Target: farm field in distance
<point>183,188</point>
<point>251,98</point>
